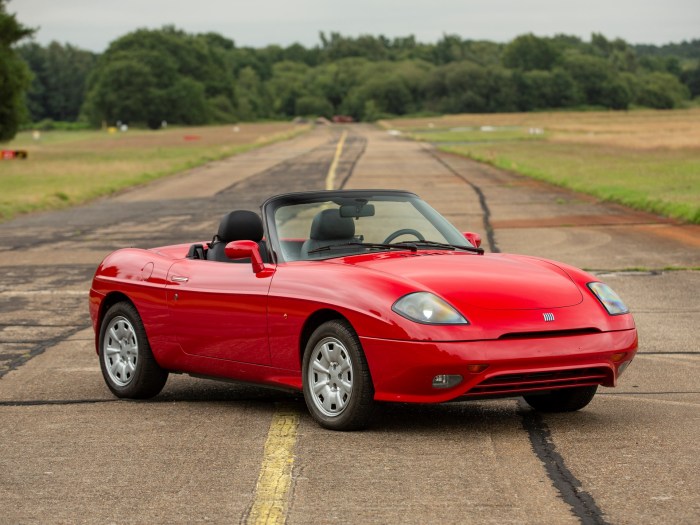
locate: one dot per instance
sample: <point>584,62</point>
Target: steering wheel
<point>404,231</point>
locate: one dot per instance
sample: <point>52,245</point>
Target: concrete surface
<point>71,453</point>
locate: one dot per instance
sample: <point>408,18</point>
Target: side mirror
<point>473,238</point>
<point>245,250</point>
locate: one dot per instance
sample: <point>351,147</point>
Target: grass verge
<point>66,168</point>
<point>648,160</point>
<point>662,182</point>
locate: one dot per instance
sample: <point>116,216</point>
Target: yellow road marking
<point>330,178</point>
<point>275,479</point>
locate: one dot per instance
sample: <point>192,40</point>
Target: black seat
<point>239,225</point>
<point>328,228</point>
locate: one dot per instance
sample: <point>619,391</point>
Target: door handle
<point>179,279</point>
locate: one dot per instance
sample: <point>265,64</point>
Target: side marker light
<point>623,367</point>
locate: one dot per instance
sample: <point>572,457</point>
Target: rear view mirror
<point>473,238</point>
<point>357,210</point>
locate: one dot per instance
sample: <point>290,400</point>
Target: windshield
<point>338,226</point>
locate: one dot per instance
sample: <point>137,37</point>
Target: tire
<point>126,360</point>
<point>564,400</point>
<point>338,387</point>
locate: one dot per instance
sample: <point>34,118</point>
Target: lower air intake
<point>515,384</point>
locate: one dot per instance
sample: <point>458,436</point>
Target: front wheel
<point>127,364</point>
<point>337,384</point>
<point>564,400</point>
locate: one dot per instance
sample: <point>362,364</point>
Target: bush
<point>314,106</point>
<point>48,125</point>
<point>661,91</point>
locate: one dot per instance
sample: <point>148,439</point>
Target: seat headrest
<point>240,225</point>
<point>328,225</point>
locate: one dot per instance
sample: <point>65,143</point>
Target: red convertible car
<point>357,297</point>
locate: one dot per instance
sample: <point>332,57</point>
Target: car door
<point>219,309</point>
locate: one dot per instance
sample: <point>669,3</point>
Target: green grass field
<point>648,160</point>
<point>65,168</point>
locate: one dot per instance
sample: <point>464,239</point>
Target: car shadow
<point>467,416</point>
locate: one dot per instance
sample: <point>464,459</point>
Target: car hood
<point>491,281</point>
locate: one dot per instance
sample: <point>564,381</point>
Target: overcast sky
<point>92,24</point>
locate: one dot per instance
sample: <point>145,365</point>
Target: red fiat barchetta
<point>356,297</point>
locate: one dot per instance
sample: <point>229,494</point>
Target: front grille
<point>512,384</point>
<point>550,333</point>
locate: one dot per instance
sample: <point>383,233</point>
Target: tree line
<point>150,76</point>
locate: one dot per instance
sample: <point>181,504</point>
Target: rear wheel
<point>564,400</point>
<point>337,384</point>
<point>127,364</point>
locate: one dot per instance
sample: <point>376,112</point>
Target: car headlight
<point>427,308</point>
<point>608,298</point>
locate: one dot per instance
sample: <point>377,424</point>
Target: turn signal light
<point>475,369</point>
<point>616,358</point>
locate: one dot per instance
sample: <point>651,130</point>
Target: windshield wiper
<point>406,245</point>
<point>446,246</point>
<point>394,246</point>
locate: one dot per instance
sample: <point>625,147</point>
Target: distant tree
<point>337,79</point>
<point>483,52</point>
<point>529,52</point>
<point>597,81</point>
<point>687,49</point>
<point>215,40</point>
<point>545,89</point>
<point>153,75</point>
<point>448,49</point>
<point>464,88</point>
<point>376,89</point>
<point>298,53</point>
<point>413,74</point>
<point>35,56</point>
<point>651,63</point>
<point>243,57</point>
<point>404,48</point>
<point>60,79</point>
<point>691,78</point>
<point>661,91</point>
<point>267,57</point>
<point>127,89</point>
<point>605,48</point>
<point>389,94</point>
<point>14,74</point>
<point>288,83</point>
<point>314,106</point>
<point>563,91</point>
<point>624,60</point>
<point>187,103</point>
<point>468,87</point>
<point>251,96</point>
<point>337,46</point>
<point>563,42</point>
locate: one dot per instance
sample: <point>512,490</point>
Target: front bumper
<point>403,371</point>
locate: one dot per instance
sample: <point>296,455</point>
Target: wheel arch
<point>110,300</point>
<point>315,320</point>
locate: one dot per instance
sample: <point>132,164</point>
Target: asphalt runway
<point>200,452</point>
